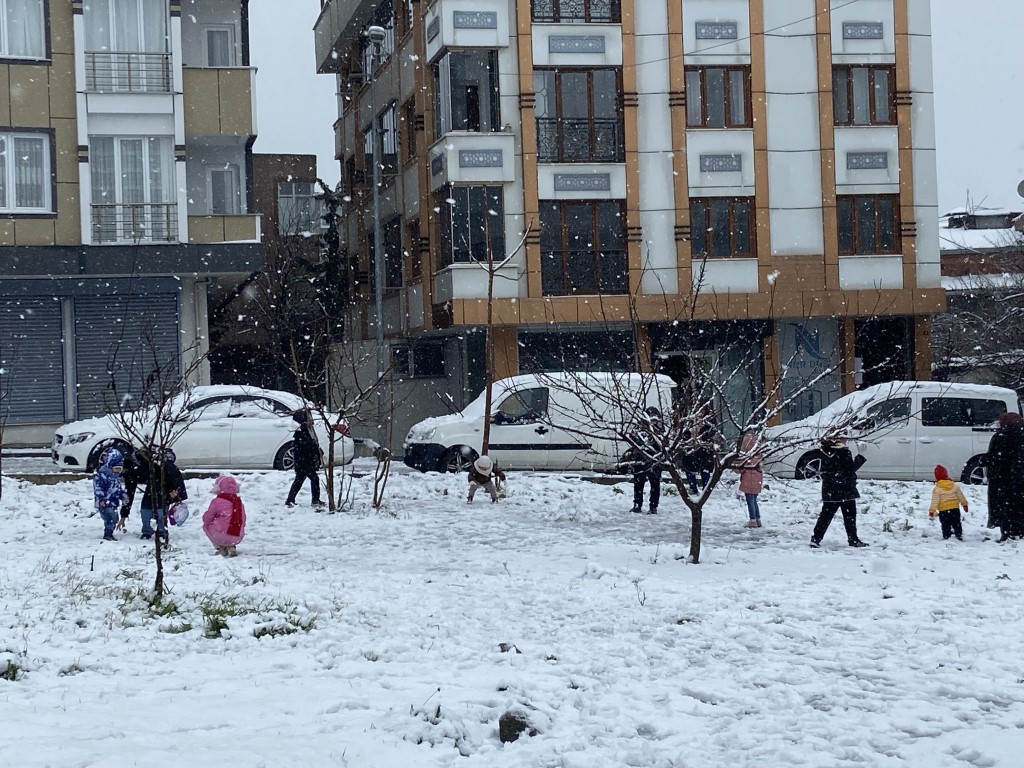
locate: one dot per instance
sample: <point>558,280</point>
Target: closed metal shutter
<point>31,361</point>
<point>124,347</point>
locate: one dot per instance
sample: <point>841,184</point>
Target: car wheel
<point>976,472</point>
<point>99,453</point>
<point>285,459</point>
<point>457,459</point>
<point>809,466</point>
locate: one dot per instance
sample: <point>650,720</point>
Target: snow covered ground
<point>362,639</point>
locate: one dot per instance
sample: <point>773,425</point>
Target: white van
<point>905,429</point>
<point>552,421</point>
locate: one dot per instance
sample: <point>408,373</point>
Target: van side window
<point>887,413</point>
<point>524,406</point>
<point>960,412</point>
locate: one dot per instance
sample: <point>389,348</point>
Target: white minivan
<point>552,421</point>
<point>905,428</point>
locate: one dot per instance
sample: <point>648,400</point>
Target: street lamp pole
<point>375,35</point>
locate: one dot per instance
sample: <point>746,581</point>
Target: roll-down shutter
<point>31,361</point>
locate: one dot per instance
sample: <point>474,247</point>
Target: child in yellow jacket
<point>947,498</point>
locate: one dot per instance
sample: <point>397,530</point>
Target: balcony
<point>127,72</point>
<point>468,157</point>
<point>571,273</point>
<point>219,102</point>
<point>134,223</point>
<point>239,228</point>
<point>339,24</point>
<point>580,140</point>
<point>456,24</point>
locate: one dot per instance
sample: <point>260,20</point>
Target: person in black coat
<point>1005,467</point>
<point>838,490</point>
<point>306,453</point>
<point>641,459</point>
<point>164,486</point>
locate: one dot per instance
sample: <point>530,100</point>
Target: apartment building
<point>125,195</point>
<point>729,176</point>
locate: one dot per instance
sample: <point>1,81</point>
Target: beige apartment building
<point>730,176</point>
<point>125,195</point>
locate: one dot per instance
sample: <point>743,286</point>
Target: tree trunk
<point>696,519</point>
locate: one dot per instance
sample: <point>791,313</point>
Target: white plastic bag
<point>178,513</point>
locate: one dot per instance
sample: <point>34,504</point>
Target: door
<point>204,433</point>
<point>888,430</point>
<point>953,429</point>
<point>520,435</point>
<point>259,425</point>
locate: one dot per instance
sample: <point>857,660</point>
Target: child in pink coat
<point>224,520</point>
<point>751,476</point>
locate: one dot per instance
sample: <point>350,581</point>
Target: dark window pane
<point>882,102</point>
<point>844,215</point>
<point>698,228</point>
<point>693,116</point>
<point>552,280</point>
<point>550,227</point>
<point>606,93</point>
<point>866,242</point>
<point>840,97</point>
<point>887,225</point>
<point>945,412</point>
<point>583,271</point>
<point>720,228</point>
<point>544,87</point>
<point>741,232</point>
<point>496,220</point>
<point>575,94</point>
<point>861,96</point>
<point>477,223</point>
<point>579,224</point>
<point>609,225</point>
<point>714,83</point>
<point>737,97</point>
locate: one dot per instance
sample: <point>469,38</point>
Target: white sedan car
<point>224,426</point>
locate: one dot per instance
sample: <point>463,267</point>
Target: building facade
<point>125,195</point>
<point>731,176</point>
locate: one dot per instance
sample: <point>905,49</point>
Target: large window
<point>961,412</point>
<point>468,216</point>
<point>133,188</point>
<point>718,97</point>
<point>224,191</point>
<point>868,224</point>
<point>466,92</point>
<point>298,210</point>
<point>579,116</point>
<point>22,29</point>
<point>576,11</point>
<point>387,124</point>
<point>127,45</point>
<point>863,95</point>
<point>25,173</point>
<point>583,247</point>
<point>721,227</point>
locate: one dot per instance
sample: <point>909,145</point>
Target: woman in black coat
<point>1005,466</point>
<point>306,453</point>
<point>838,490</point>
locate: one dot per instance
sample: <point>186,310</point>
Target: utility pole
<point>375,35</point>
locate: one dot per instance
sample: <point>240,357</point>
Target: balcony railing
<point>577,11</point>
<point>121,72</point>
<point>135,222</point>
<point>567,273</point>
<point>580,140</point>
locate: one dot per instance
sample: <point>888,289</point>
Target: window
<point>576,11</point>
<point>412,239</point>
<point>245,406</point>
<point>219,44</point>
<point>863,95</point>
<point>525,406</point>
<point>22,29</point>
<point>579,119</point>
<point>721,227</point>
<point>223,191</point>
<point>468,215</point>
<point>885,414</point>
<point>868,224</point>
<point>387,123</point>
<point>133,188</point>
<point>961,412</point>
<point>25,173</point>
<point>466,92</point>
<point>394,255</point>
<point>423,360</point>
<point>298,210</point>
<point>583,247</point>
<point>127,46</point>
<point>718,97</point>
<point>409,130</point>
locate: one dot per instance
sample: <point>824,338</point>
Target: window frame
<point>229,29</point>
<point>856,249</point>
<point>850,94</point>
<point>705,228</point>
<point>557,17</point>
<point>701,72</point>
<point>493,199</point>
<point>389,154</point>
<point>314,220</point>
<point>441,72</point>
<point>408,360</point>
<point>594,152</point>
<point>48,137</point>
<point>569,285</point>
<point>408,130</point>
<point>235,175</point>
<point>44,37</point>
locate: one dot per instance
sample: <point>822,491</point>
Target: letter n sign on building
<point>806,349</point>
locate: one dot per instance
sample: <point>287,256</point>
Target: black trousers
<point>828,511</point>
<point>950,519</point>
<point>653,476</point>
<point>300,477</point>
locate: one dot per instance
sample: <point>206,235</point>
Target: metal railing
<point>567,273</point>
<point>580,140</point>
<point>135,222</point>
<point>124,72</point>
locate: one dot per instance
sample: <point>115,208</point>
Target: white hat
<point>483,465</point>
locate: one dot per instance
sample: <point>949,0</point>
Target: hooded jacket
<point>946,494</point>
<point>107,489</point>
<point>224,519</point>
<point>839,474</point>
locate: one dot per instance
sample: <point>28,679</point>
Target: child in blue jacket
<point>108,491</point>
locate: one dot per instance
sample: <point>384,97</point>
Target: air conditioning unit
<point>355,79</point>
